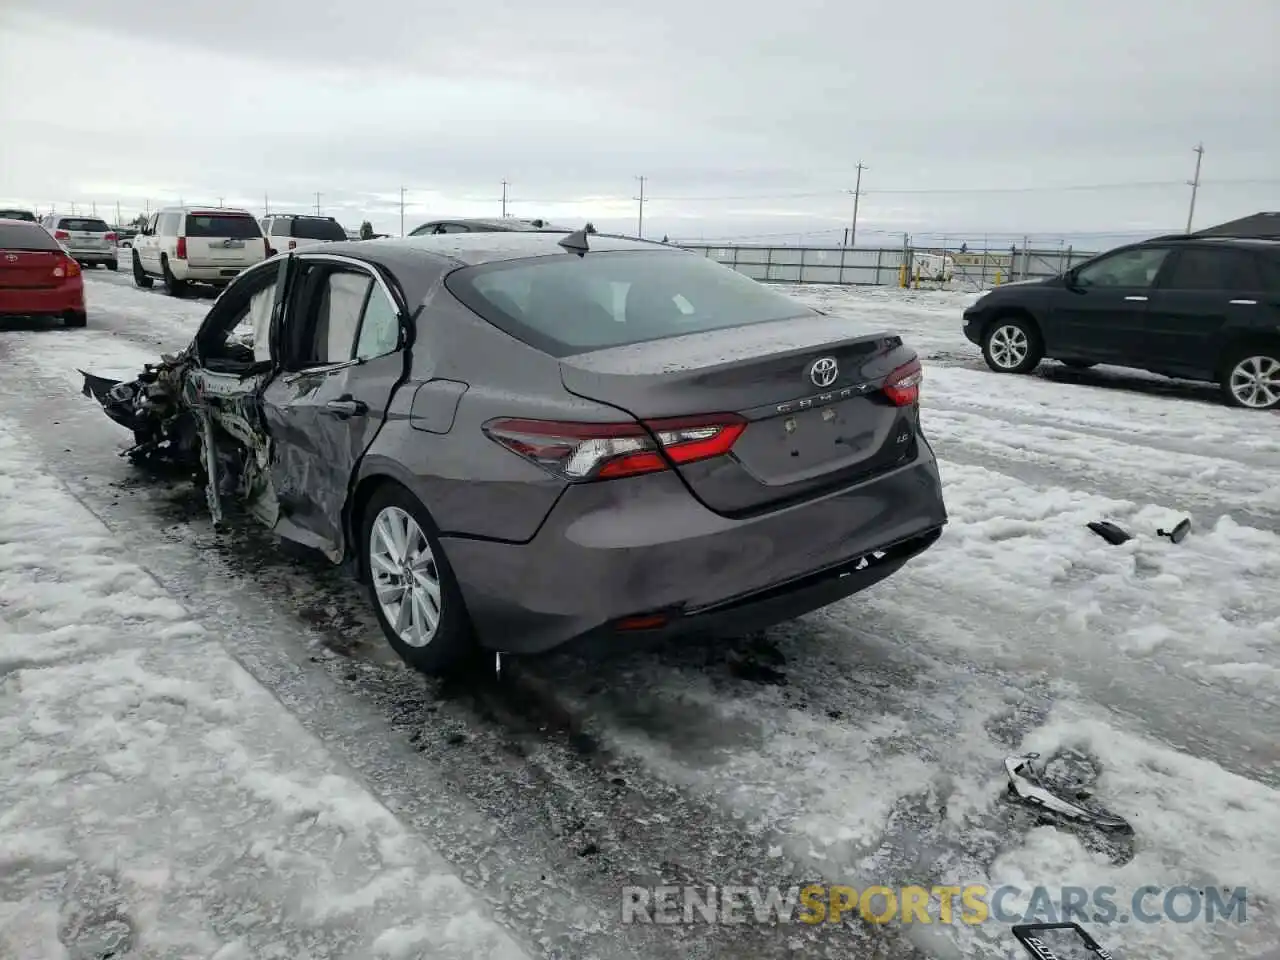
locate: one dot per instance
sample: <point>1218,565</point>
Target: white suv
<point>288,231</point>
<point>183,245</point>
<point>88,239</point>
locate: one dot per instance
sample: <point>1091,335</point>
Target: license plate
<point>233,244</point>
<point>229,273</point>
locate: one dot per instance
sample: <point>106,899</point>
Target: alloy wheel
<point>1255,382</point>
<point>1009,346</point>
<point>406,577</point>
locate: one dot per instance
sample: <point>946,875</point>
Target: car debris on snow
<point>1027,786</point>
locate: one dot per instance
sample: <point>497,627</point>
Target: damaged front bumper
<point>183,414</point>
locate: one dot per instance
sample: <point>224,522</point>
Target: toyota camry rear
<point>664,445</point>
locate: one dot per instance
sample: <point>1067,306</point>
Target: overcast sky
<point>747,118</point>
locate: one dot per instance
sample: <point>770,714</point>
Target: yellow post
<point>997,283</point>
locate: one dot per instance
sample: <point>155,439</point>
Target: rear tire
<point>392,517</point>
<point>1012,345</point>
<point>1251,378</point>
<point>113,265</point>
<point>172,285</point>
<point>76,318</point>
<point>140,278</point>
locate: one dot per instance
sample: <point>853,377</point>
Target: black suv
<point>1199,308</point>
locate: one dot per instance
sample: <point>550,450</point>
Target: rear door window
<point>1204,269</point>
<point>341,301</point>
<point>565,304</point>
<point>222,225</point>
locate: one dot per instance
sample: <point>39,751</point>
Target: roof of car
<point>475,248</point>
<point>298,216</point>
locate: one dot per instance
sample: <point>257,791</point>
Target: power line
<point>836,192</point>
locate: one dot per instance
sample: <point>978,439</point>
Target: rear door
<point>1203,290</point>
<point>216,238</point>
<point>28,258</point>
<point>343,355</point>
<point>1101,316</point>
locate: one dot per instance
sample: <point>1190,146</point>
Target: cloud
<point>571,100</point>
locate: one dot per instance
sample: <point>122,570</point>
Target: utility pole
<point>266,204</point>
<point>220,199</point>
<point>402,211</point>
<point>118,213</point>
<point>317,203</point>
<point>857,193</point>
<point>95,207</point>
<point>640,221</point>
<point>1195,184</point>
<point>504,199</point>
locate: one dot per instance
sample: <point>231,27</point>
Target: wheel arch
<point>1012,312</point>
<point>372,477</point>
<point>1233,346</point>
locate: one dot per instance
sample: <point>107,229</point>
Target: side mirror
<point>1070,280</point>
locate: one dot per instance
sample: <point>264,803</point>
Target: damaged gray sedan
<point>522,439</point>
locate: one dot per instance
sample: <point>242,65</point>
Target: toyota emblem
<point>824,372</point>
<point>11,257</point>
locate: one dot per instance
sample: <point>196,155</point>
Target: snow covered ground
<point>196,722</point>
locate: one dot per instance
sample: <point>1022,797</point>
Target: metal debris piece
<point>1025,785</point>
<point>1109,532</point>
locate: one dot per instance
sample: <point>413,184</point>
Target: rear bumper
<point>93,256</point>
<point>207,272</point>
<point>644,546</point>
<point>55,300</point>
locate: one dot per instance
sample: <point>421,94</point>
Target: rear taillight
<point>605,451</point>
<point>61,235</point>
<point>181,252</point>
<point>903,385</point>
<point>67,268</point>
<point>112,238</point>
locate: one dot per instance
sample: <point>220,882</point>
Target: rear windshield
<point>565,304</point>
<point>309,228</point>
<point>14,237</point>
<point>88,224</point>
<point>222,225</point>
<point>17,215</point>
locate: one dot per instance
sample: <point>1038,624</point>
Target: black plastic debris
<point>1179,532</point>
<point>1027,786</point>
<point>1109,532</point>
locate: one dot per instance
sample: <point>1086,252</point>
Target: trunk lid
<point>810,428</point>
<point>29,269</point>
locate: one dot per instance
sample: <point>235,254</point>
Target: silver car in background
<point>90,240</point>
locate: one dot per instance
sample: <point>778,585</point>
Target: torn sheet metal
<point>211,421</point>
<point>1027,786</point>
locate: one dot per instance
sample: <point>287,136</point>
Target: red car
<point>38,278</point>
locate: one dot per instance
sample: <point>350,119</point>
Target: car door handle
<point>346,407</point>
<point>1140,299</point>
<point>1245,303</point>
